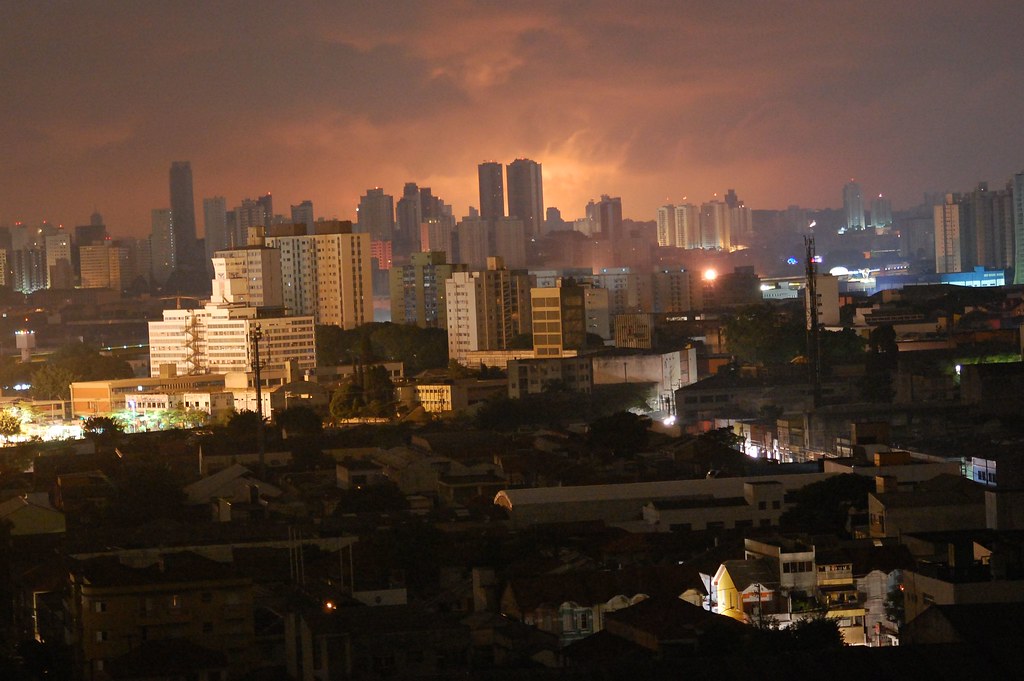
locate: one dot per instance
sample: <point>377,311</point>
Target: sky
<point>656,102</point>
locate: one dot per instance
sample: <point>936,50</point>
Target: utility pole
<point>261,440</point>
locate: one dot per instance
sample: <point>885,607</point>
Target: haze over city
<point>783,101</point>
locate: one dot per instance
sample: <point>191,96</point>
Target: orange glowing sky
<point>650,101</point>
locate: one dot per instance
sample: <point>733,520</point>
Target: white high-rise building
<point>714,225</point>
<point>486,309</point>
<point>59,273</point>
<point>221,338</point>
<point>853,206</point>
<point>248,276</point>
<point>947,236</point>
<point>326,275</point>
<point>667,226</point>
<point>687,224</point>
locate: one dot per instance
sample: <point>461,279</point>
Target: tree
<point>762,334</point>
<point>53,382</point>
<point>299,421</point>
<point>10,423</point>
<point>102,429</point>
<point>624,433</point>
<point>824,506</point>
<point>75,362</point>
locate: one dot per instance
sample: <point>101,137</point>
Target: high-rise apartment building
<point>606,216</point>
<point>492,190</point>
<point>162,244</point>
<point>183,208</point>
<point>59,272</point>
<point>1016,188</point>
<point>418,290</point>
<point>853,207</point>
<point>249,276</point>
<point>326,274</point>
<point>486,309</point>
<point>526,194</point>
<point>302,214</point>
<point>408,218</point>
<point>105,265</point>
<point>215,226</point>
<point>881,212</point>
<point>714,225</point>
<point>438,234</point>
<point>474,238</point>
<point>947,236</point>
<point>509,237</point>
<point>376,214</point>
<point>687,224</point>
<point>559,319</point>
<point>667,226</point>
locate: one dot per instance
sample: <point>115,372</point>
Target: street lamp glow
<point>710,275</point>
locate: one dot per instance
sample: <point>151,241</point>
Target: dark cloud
<point>783,101</point>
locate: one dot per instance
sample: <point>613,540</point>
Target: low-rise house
<point>749,591</point>
<point>234,485</point>
<point>113,608</point>
<point>361,642</point>
<point>31,515</point>
<point>573,605</point>
<point>946,502</point>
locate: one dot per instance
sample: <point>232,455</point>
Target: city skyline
<point>785,106</point>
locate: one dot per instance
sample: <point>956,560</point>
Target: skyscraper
<point>526,194</point>
<point>162,244</point>
<point>183,209</point>
<point>853,206</point>
<point>492,191</point>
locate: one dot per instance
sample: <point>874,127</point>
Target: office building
<point>418,290</point>
<point>486,309</point>
<point>492,190</point>
<point>326,275</point>
<point>526,194</point>
<point>184,210</point>
<point>376,214</point>
<point>163,246</point>
<point>220,339</point>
